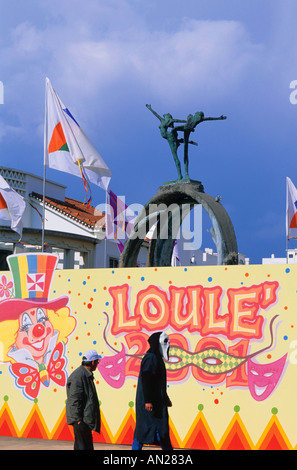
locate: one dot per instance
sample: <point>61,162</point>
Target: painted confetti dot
<point>287,270</point>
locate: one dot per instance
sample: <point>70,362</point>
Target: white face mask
<point>164,345</point>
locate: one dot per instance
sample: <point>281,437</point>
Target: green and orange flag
<point>66,147</point>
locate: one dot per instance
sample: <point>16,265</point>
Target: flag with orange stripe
<point>12,206</point>
<point>67,148</point>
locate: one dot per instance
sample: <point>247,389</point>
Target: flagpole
<point>43,215</point>
<point>287,230</point>
<point>45,148</point>
<point>104,265</point>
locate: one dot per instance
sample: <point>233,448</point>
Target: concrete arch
<point>173,197</point>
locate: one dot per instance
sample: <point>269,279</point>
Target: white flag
<point>12,206</point>
<point>175,255</point>
<point>291,210</point>
<point>66,147</point>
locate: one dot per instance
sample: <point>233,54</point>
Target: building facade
<point>72,230</point>
<point>290,259</point>
<point>75,231</point>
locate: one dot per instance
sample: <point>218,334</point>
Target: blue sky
<point>106,60</point>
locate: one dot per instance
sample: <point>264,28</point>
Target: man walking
<point>82,406</point>
<point>152,426</point>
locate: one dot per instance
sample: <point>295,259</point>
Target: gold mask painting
<point>231,365</point>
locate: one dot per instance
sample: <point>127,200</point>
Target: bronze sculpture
<point>167,121</point>
<point>170,199</point>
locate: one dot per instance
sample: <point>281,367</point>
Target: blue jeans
<point>165,444</point>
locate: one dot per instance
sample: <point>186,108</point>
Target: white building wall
<point>60,222</point>
<point>290,259</point>
<point>25,183</point>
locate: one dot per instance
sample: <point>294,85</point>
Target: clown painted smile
<point>34,333</point>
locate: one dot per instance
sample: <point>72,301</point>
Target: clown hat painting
<point>34,328</point>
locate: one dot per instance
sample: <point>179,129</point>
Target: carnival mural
<point>34,329</point>
<point>233,340</point>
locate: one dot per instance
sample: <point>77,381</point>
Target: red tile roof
<point>75,210</point>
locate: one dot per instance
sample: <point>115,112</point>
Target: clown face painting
<point>33,328</point>
<point>34,333</point>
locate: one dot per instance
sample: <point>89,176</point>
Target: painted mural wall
<point>233,349</point>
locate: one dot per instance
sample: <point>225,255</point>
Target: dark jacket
<point>151,388</point>
<point>82,400</point>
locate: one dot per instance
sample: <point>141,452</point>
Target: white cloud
<point>86,64</point>
<point>27,39</point>
<point>9,131</point>
<point>204,56</point>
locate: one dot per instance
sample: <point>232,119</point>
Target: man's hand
<point>148,406</point>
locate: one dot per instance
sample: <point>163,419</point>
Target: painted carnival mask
<point>263,378</point>
<point>112,369</point>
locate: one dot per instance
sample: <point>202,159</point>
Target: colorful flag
<point>66,147</point>
<point>119,219</point>
<point>291,212</point>
<point>12,206</point>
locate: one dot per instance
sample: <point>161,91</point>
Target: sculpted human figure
<point>167,121</point>
<point>187,128</point>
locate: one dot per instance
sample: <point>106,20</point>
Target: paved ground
<point>18,443</point>
<point>14,443</point>
<point>111,454</point>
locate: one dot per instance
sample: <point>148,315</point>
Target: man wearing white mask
<point>152,401</point>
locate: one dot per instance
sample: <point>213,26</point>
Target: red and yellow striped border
<point>199,436</point>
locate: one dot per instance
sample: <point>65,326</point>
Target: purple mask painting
<point>263,378</point>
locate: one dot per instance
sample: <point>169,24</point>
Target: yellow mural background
<point>89,298</point>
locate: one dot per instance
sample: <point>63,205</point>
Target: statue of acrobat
<point>188,126</point>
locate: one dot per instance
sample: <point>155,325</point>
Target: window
<point>113,262</point>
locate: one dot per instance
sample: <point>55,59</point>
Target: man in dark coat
<point>152,425</point>
<point>82,406</point>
